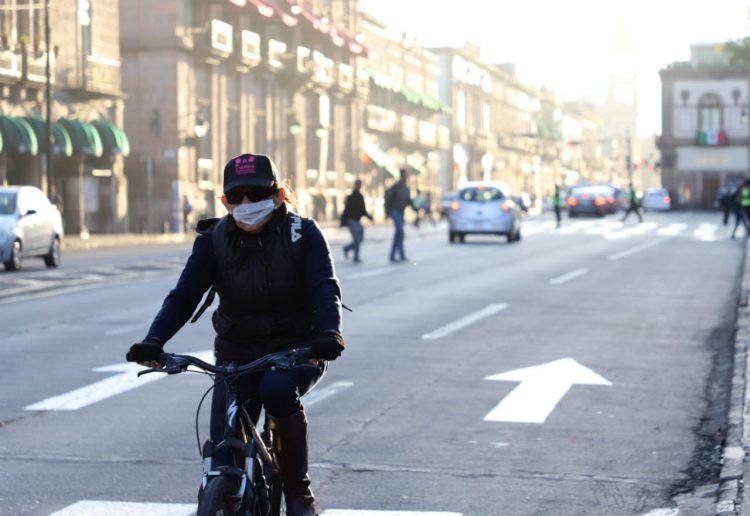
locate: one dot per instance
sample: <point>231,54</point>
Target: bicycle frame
<point>242,439</point>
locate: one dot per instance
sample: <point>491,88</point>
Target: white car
<point>30,226</point>
<point>657,199</point>
<point>484,208</point>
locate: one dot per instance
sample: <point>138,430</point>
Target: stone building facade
<point>87,179</point>
<point>705,139</point>
<point>209,79</point>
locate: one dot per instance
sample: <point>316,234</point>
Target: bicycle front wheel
<point>218,498</point>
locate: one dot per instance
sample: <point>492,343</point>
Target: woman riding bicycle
<point>278,290</point>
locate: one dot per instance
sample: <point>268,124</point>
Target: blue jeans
<point>358,235</point>
<point>278,390</point>
<point>398,235</point>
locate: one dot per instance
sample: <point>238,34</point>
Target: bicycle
<point>252,485</point>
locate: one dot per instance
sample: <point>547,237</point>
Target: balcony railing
<point>10,66</point>
<point>250,48</point>
<point>35,67</point>
<point>346,77</point>
<point>276,54</point>
<point>323,69</point>
<point>381,119</point>
<point>101,75</point>
<point>427,133</point>
<point>409,128</point>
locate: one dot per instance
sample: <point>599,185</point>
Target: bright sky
<point>572,46</point>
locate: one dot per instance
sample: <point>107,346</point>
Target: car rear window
<point>7,203</point>
<point>481,194</point>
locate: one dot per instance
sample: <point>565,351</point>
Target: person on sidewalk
<point>634,206</point>
<point>397,198</point>
<point>354,210</point>
<point>187,209</point>
<point>557,205</point>
<point>277,290</point>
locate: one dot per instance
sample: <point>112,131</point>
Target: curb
<point>731,481</point>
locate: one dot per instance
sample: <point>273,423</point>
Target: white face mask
<point>253,213</point>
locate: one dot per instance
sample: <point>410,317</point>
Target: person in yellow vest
<point>743,198</point>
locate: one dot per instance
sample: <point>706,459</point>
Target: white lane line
<point>369,273</point>
<point>122,330</point>
<point>318,395</point>
<point>568,276</point>
<point>99,507</point>
<point>636,249</point>
<point>352,512</point>
<point>465,321</point>
<point>126,379</point>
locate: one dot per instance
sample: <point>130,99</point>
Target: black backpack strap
<point>214,228</point>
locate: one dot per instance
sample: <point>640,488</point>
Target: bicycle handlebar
<point>175,364</point>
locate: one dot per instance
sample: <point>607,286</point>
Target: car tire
<point>52,259</point>
<point>518,235</point>
<point>16,259</point>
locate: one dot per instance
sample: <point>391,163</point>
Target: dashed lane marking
<point>465,321</point>
<point>636,249</point>
<point>568,276</point>
<point>368,273</point>
<point>318,395</point>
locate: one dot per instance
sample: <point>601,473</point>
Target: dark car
<point>590,200</point>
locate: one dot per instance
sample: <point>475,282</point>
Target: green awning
<point>18,136</point>
<point>380,158</point>
<point>61,142</point>
<point>114,139</point>
<point>84,136</point>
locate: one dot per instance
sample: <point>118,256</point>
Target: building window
<point>710,113</point>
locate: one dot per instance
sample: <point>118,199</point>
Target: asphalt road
<point>607,333</point>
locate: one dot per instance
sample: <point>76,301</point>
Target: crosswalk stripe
<point>100,507</point>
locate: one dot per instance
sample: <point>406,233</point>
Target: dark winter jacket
<point>275,287</point>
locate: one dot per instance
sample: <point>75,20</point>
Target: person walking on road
<point>354,210</point>
<point>277,291</point>
<point>557,205</point>
<point>634,205</point>
<point>739,216</point>
<point>187,209</point>
<point>726,203</point>
<point>397,198</point>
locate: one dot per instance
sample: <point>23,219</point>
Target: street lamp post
<point>48,175</point>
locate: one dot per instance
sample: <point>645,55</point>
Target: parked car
<point>445,203</point>
<point>484,207</point>
<point>591,200</point>
<point>30,226</point>
<point>657,199</point>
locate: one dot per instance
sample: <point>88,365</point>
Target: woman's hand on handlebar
<point>146,353</point>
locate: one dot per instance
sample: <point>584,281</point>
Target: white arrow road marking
<point>542,387</point>
<point>126,380</point>
<point>567,277</point>
<point>636,249</point>
<point>318,395</point>
<point>97,508</point>
<point>465,321</point>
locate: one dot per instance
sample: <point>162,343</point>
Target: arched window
<point>710,113</point>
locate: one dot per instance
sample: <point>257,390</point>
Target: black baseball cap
<point>249,170</point>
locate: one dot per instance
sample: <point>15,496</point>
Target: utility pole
<point>49,179</point>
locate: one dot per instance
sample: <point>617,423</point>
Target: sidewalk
<point>733,489</point>
<point>334,233</point>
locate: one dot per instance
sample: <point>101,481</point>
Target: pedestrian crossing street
<point>615,230</point>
